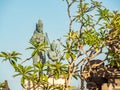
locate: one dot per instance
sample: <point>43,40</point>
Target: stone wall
<point>52,81</point>
<point>112,86</point>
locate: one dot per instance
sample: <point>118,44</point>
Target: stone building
<point>101,77</point>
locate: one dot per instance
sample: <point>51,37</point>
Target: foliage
<point>1,85</point>
<point>12,57</point>
<point>113,41</point>
<point>37,73</point>
<point>57,69</point>
<point>24,71</point>
<point>98,34</point>
<point>37,47</point>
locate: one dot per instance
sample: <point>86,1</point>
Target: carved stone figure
<point>97,74</point>
<point>54,52</point>
<point>40,38</point>
<point>6,87</point>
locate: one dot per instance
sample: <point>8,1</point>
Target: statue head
<point>53,45</point>
<point>39,26</point>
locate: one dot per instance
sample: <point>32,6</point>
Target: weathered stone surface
<point>6,87</point>
<point>97,74</point>
<point>39,37</point>
<point>105,86</point>
<point>54,52</point>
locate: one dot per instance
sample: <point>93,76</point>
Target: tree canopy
<point>98,33</point>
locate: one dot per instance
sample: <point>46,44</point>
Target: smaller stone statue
<point>54,52</point>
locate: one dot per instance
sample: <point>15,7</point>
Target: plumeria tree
<point>36,75</point>
<point>93,31</point>
<point>98,33</point>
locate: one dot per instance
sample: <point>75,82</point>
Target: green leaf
<point>2,84</point>
<point>3,54</point>
<point>56,76</point>
<point>112,62</point>
<point>73,56</point>
<point>75,77</point>
<point>118,63</point>
<point>30,48</point>
<point>22,81</point>
<point>67,55</point>
<point>16,75</point>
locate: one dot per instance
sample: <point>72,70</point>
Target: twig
<point>69,14</point>
<point>26,60</point>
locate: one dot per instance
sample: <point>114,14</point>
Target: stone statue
<point>5,87</point>
<point>40,38</point>
<point>54,52</point>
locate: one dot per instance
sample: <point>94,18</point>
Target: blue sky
<point>17,24</point>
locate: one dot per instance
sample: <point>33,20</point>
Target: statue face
<point>39,26</point>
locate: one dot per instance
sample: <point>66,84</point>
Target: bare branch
<point>89,57</point>
<point>69,14</point>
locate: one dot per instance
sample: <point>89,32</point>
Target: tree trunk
<point>67,81</point>
<point>67,84</point>
<point>82,84</point>
<point>70,74</point>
